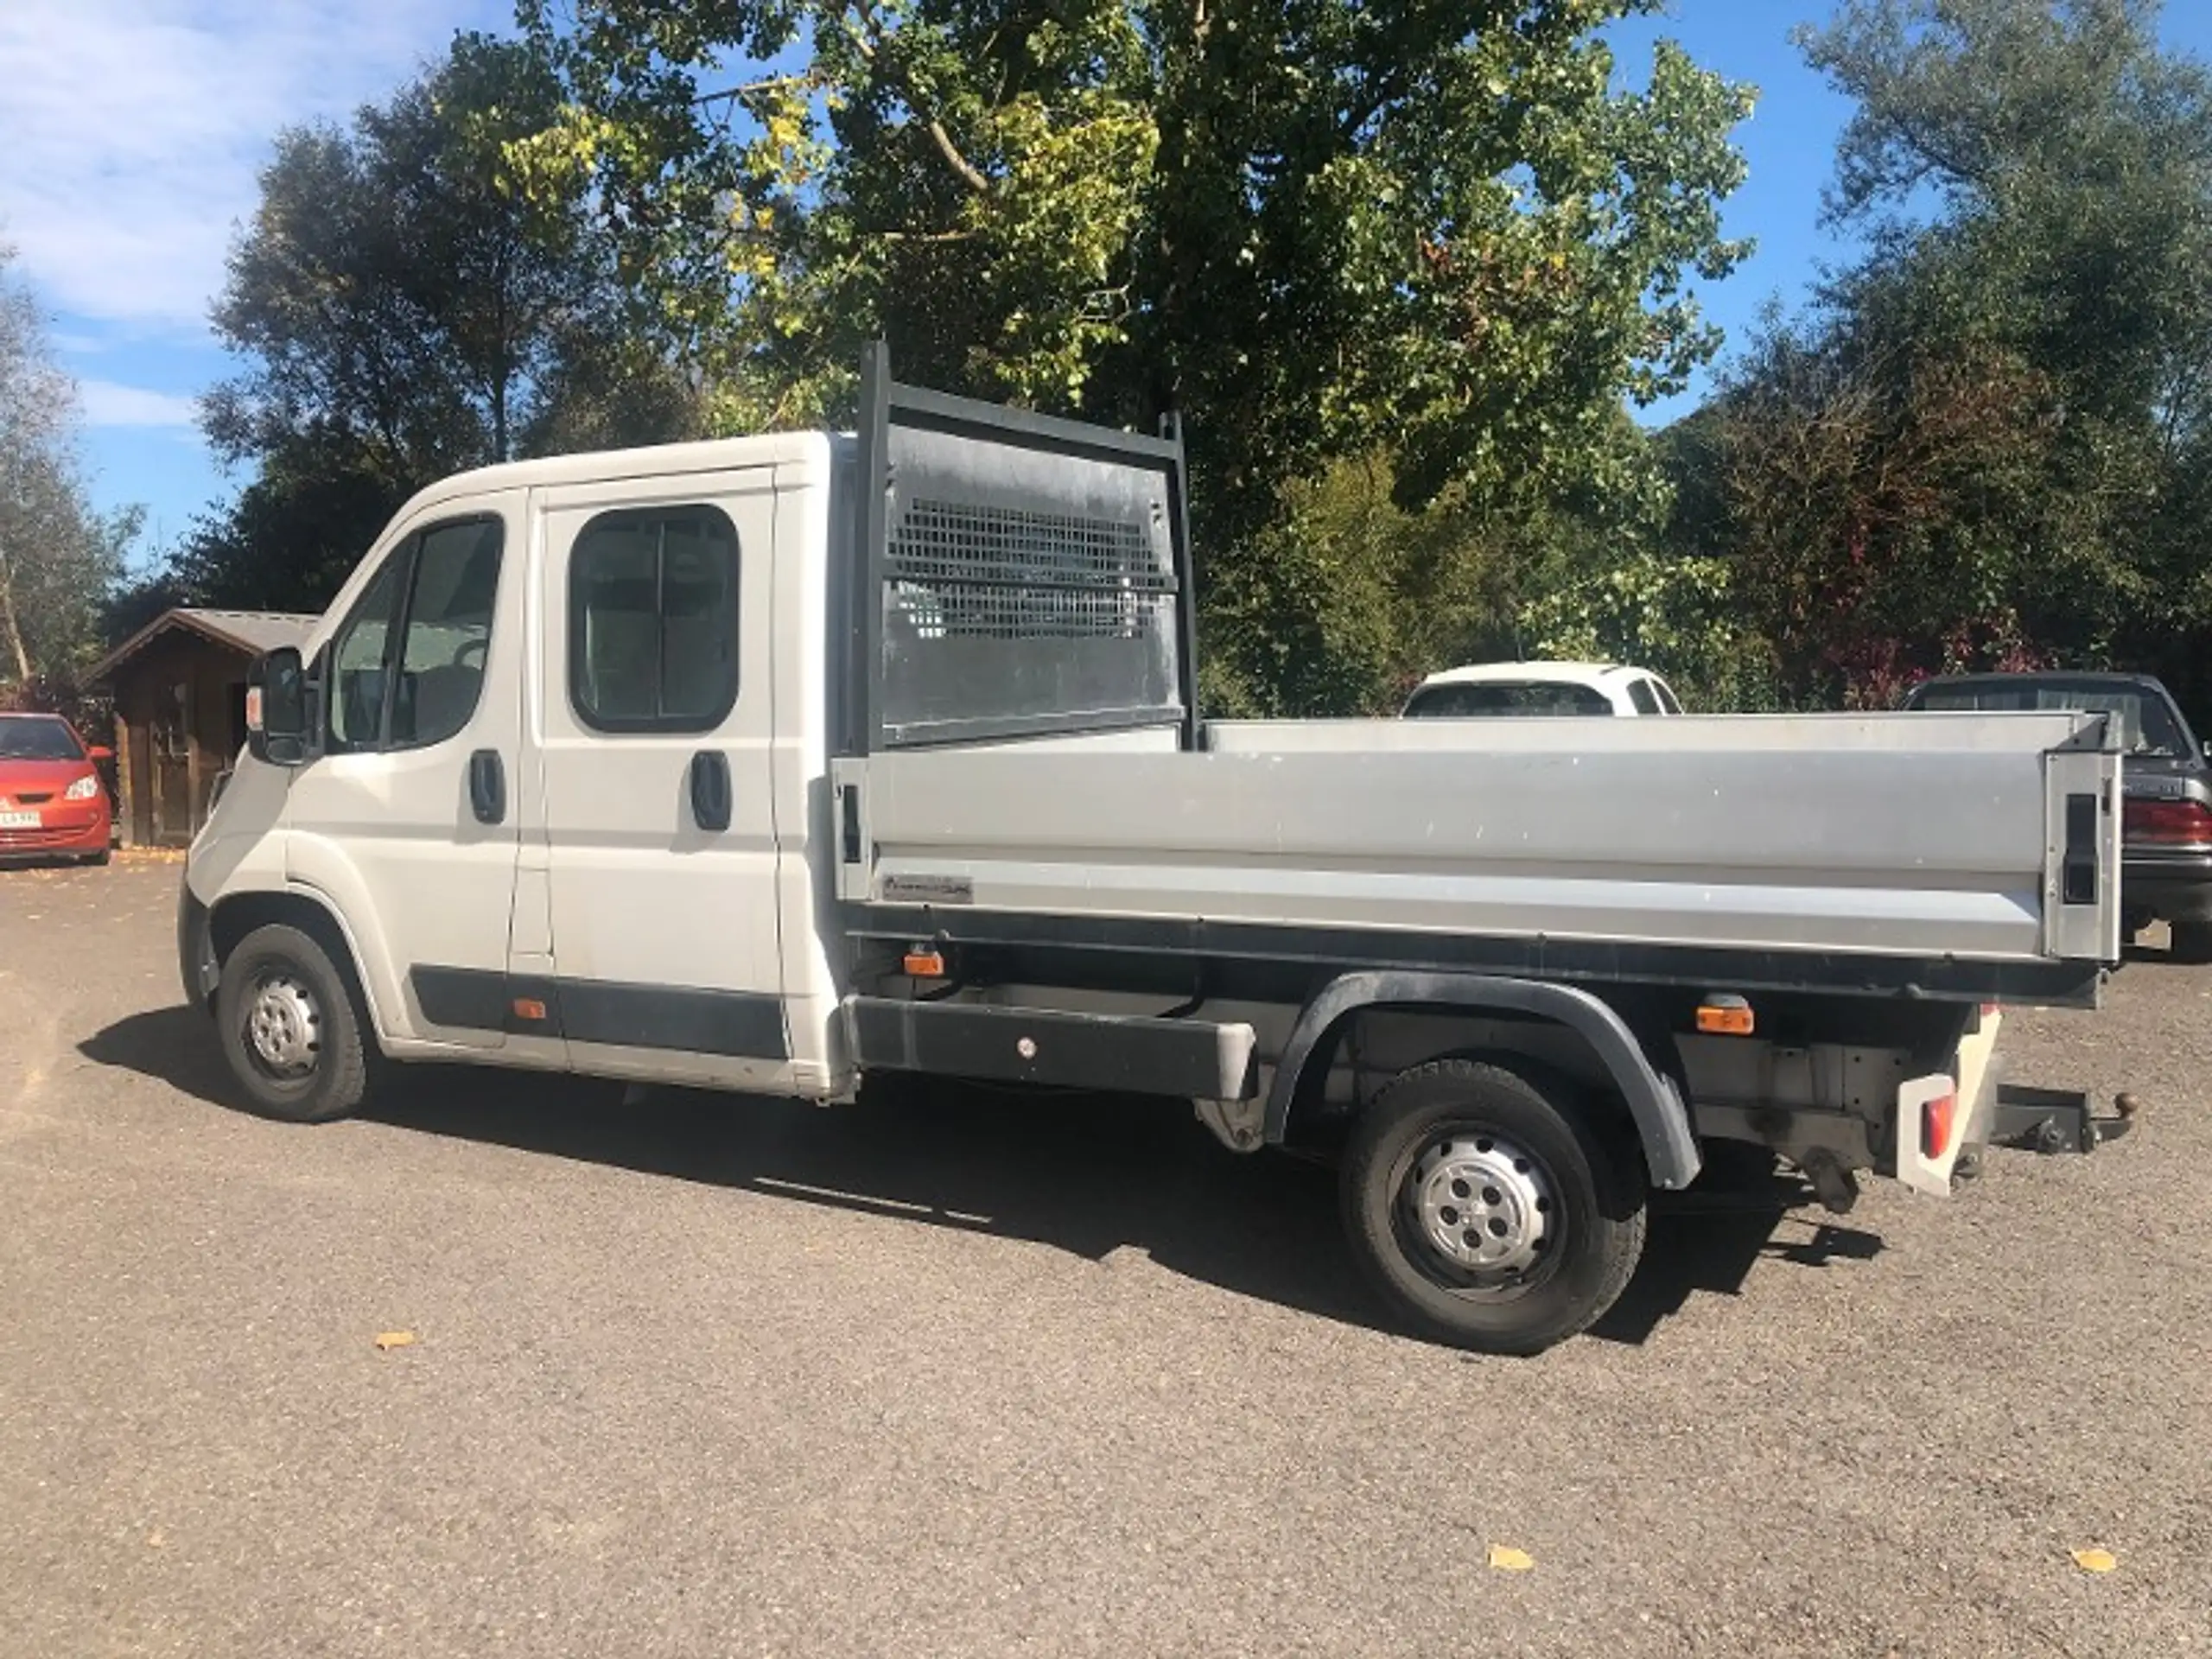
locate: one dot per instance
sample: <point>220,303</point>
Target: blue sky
<point>131,132</point>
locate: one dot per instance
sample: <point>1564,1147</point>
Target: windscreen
<point>2141,724</point>
<point>1506,697</point>
<point>34,739</point>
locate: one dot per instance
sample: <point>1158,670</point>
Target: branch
<point>867,36</point>
<point>734,94</point>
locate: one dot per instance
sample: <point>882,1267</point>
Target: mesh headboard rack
<point>1024,575</point>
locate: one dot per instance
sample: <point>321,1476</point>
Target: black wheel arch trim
<point>1662,1121</point>
<point>311,909</point>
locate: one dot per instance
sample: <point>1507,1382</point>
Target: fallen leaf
<point>390,1339</point>
<point>2095,1560</point>
<point>154,1539</point>
<point>1506,1559</point>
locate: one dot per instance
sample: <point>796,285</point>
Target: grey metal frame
<point>886,406</point>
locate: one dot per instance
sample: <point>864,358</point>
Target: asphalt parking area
<point>980,1374</point>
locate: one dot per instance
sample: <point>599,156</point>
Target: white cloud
<point>134,131</point>
<point>106,403</point>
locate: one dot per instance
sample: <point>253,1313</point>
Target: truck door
<point>409,818</point>
<point>656,815</point>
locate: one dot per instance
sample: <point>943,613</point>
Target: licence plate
<point>18,820</point>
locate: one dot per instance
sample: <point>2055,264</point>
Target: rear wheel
<point>2192,941</point>
<point>1486,1215</point>
<point>289,1028</point>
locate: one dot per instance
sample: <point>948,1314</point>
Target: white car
<point>1490,689</point>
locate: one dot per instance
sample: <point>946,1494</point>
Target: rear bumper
<point>2174,886</point>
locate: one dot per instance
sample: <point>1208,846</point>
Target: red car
<point>53,801</point>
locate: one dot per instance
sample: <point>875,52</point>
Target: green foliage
<point>407,311</point>
<point>58,556</point>
<point>1986,444</point>
<point>1340,606</point>
<point>1319,230</point>
<point>1677,615</point>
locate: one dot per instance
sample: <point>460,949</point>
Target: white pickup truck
<point>772,762</point>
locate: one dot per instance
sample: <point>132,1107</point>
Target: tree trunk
<point>10,623</point>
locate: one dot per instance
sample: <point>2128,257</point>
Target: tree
<point>1877,501</point>
<point>58,556</point>
<point>408,314</point>
<point>1319,230</point>
<point>2032,331</point>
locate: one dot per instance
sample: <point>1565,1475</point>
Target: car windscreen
<point>2144,723</point>
<point>1506,697</point>
<point>37,740</point>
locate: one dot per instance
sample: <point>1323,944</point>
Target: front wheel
<point>1487,1217</point>
<point>289,1028</point>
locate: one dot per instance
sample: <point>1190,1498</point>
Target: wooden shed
<point>178,686</point>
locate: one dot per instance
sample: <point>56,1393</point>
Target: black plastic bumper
<point>195,949</point>
<point>2175,888</point>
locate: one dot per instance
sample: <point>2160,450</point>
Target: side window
<point>652,620</point>
<point>357,659</point>
<point>407,669</point>
<point>1639,693</point>
<point>1667,702</point>
<point>449,633</point>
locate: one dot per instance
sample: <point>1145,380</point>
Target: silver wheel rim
<point>1483,1211</point>
<point>283,1026</point>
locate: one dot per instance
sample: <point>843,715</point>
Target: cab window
<point>407,669</point>
<point>653,621</point>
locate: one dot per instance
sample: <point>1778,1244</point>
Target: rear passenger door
<point>655,824</point>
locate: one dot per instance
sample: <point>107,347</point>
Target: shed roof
<point>250,633</point>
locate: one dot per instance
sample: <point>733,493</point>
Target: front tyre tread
<point>340,1082</point>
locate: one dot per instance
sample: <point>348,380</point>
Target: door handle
<point>487,786</point>
<point>710,801</point>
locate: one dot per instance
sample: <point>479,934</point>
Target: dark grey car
<point>2166,838</point>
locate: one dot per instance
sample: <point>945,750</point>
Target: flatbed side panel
<point>1826,837</point>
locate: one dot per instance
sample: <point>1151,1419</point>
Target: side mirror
<point>276,709</point>
<point>99,754</point>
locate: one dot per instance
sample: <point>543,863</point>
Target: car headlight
<point>84,788</point>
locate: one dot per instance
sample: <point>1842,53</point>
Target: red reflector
<point>2173,823</point>
<point>1936,1125</point>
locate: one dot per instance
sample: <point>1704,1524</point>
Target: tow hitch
<point>2056,1120</point>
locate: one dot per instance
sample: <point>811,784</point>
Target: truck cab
<point>567,744</point>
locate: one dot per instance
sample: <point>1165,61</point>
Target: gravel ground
<point>713,1377</point>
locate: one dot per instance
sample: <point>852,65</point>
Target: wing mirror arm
<point>278,702</point>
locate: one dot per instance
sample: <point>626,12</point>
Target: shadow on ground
<point>1084,1174</point>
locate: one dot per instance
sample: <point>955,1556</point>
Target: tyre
<point>101,857</point>
<point>290,1027</point>
<point>1485,1216</point>
<point>2192,943</point>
